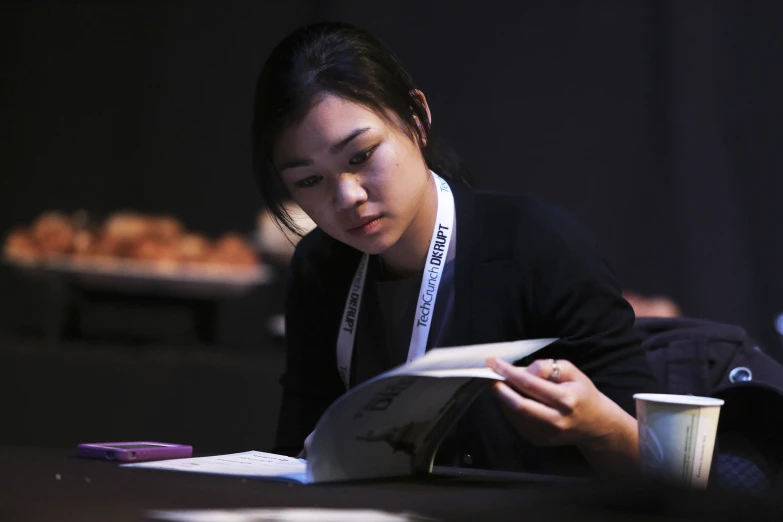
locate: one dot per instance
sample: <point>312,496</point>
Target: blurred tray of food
<point>136,252</point>
<point>275,241</point>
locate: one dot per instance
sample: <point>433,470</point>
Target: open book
<point>391,425</point>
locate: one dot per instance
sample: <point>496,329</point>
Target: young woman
<point>406,256</point>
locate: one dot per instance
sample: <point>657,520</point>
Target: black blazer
<point>524,270</point>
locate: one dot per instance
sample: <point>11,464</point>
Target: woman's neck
<point>409,254</point>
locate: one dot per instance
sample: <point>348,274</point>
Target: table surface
<point>39,484</point>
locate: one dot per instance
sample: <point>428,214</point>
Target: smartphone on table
<point>134,451</point>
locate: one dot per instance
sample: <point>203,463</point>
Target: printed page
<point>379,428</point>
<point>252,464</point>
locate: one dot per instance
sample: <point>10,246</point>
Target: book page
<point>252,464</point>
<point>474,356</point>
<point>381,427</point>
<point>283,515</point>
<point>475,373</point>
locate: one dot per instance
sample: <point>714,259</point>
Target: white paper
<point>383,422</point>
<point>473,356</point>
<point>253,464</point>
<point>380,431</point>
<point>472,373</point>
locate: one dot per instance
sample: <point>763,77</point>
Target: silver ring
<point>555,375</point>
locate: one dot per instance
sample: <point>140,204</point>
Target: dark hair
<point>343,60</point>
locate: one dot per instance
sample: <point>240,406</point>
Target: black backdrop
<point>656,123</point>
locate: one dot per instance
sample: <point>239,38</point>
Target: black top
<point>383,335</point>
<point>385,324</point>
<point>524,270</point>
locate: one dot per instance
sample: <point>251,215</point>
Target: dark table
<point>51,484</point>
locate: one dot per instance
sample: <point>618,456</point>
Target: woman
<point>340,128</point>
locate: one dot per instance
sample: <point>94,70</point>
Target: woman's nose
<point>349,192</point>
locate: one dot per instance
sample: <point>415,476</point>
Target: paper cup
<point>677,436</point>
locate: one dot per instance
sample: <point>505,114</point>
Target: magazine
<point>391,425</point>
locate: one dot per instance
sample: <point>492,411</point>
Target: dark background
<point>656,123</point>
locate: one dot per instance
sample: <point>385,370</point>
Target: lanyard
<point>428,292</point>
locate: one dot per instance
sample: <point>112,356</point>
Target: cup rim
<point>682,400</point>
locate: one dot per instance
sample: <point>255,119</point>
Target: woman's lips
<point>369,226</point>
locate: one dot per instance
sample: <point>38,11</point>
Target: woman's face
<point>361,179</point>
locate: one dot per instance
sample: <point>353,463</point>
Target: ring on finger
<point>555,375</point>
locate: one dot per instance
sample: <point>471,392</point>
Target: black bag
<point>710,359</point>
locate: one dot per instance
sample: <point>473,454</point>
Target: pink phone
<point>134,451</point>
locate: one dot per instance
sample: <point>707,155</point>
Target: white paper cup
<point>677,436</point>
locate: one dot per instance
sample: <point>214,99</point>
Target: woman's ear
<point>417,95</point>
<point>422,132</point>
<point>419,98</point>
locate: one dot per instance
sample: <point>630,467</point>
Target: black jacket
<point>524,270</point>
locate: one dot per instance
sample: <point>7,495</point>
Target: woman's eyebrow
<point>340,145</point>
<point>334,149</point>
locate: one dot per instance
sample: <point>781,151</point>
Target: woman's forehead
<point>331,118</point>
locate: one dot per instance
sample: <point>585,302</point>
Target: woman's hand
<point>552,403</point>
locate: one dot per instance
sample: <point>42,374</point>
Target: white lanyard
<point>430,281</point>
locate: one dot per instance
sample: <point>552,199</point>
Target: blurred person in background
<point>651,306</point>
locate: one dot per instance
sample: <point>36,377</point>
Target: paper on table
<point>245,464</point>
<point>283,515</point>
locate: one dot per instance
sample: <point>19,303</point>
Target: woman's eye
<point>308,182</point>
<point>362,157</point>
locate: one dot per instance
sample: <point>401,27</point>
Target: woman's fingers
<point>553,370</point>
<point>522,405</point>
<point>528,382</point>
<point>533,420</point>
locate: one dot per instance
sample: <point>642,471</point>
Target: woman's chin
<point>369,245</point>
